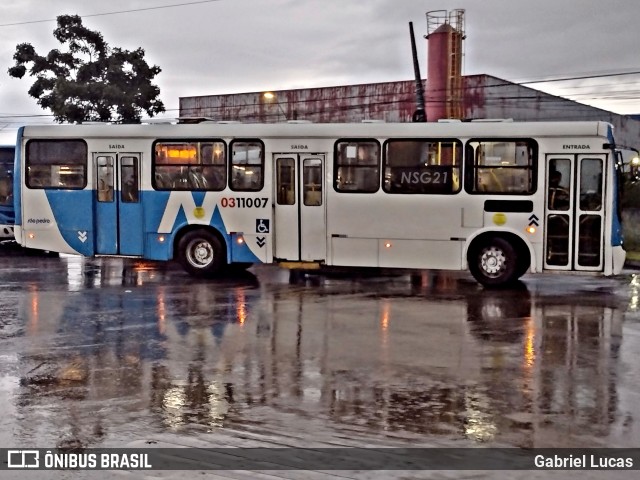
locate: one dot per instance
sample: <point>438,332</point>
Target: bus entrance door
<point>118,214</point>
<point>574,213</point>
<point>299,217</point>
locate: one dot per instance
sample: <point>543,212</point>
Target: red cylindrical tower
<point>444,64</point>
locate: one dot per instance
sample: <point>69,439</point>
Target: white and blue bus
<point>498,198</point>
<point>7,214</point>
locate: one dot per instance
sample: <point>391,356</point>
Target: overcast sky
<point>235,46</point>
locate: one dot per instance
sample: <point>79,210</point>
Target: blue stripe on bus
<point>73,214</point>
<point>617,237</point>
<point>17,177</point>
<point>7,216</point>
<point>154,206</point>
<point>7,212</point>
<point>74,217</point>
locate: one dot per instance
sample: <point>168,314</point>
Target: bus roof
<point>320,130</point>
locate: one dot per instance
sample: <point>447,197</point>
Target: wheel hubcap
<point>493,261</point>
<point>200,253</point>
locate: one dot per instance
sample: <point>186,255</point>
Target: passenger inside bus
<point>129,189</point>
<point>105,192</point>
<point>558,195</point>
<point>6,196</point>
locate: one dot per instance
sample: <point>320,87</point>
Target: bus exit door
<point>118,213</point>
<point>299,216</point>
<point>574,212</point>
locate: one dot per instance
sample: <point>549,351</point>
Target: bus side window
<point>285,180</point>
<point>105,178</point>
<point>357,166</point>
<point>422,166</point>
<point>501,166</point>
<point>591,172</point>
<point>558,181</point>
<point>247,165</point>
<point>312,181</point>
<point>56,164</point>
<point>130,185</point>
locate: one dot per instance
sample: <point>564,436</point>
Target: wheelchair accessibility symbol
<point>262,225</point>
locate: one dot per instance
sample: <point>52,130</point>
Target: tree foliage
<point>90,81</point>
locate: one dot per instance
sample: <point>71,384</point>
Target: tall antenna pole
<point>420,115</point>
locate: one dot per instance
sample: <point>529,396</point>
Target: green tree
<point>91,81</point>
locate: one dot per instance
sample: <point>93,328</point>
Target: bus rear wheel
<point>494,263</point>
<point>201,253</point>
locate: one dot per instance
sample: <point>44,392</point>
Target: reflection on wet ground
<point>104,351</point>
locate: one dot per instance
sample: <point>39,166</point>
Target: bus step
<point>300,265</point>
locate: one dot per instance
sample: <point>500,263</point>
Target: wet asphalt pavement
<point>112,353</point>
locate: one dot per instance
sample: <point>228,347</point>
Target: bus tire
<point>201,253</point>
<point>494,262</point>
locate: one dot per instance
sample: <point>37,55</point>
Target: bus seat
<point>5,190</point>
<point>162,180</point>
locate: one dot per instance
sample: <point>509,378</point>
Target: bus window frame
<point>187,141</point>
<point>83,165</point>
<point>336,165</point>
<point>449,140</point>
<point>231,164</point>
<point>470,166</point>
<point>7,158</point>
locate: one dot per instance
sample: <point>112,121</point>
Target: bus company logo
<point>37,221</point>
<point>23,459</point>
<point>576,147</point>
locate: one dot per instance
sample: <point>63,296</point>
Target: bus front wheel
<point>494,262</point>
<point>201,253</point>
